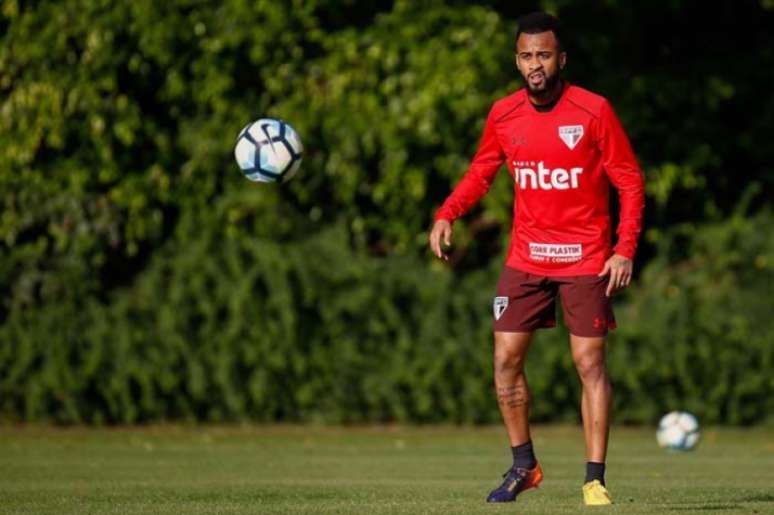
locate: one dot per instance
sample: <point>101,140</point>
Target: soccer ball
<point>678,430</point>
<point>268,150</point>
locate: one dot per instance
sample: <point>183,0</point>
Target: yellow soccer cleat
<point>594,494</point>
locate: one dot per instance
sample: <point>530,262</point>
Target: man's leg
<point>513,398</point>
<point>590,362</point>
<point>588,353</point>
<point>511,384</point>
<point>523,303</point>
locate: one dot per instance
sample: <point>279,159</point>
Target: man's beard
<point>548,85</point>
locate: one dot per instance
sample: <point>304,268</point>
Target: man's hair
<point>537,22</point>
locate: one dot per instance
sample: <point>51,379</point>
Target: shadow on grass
<point>704,507</point>
<point>762,497</point>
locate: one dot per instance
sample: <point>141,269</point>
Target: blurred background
<point>144,279</point>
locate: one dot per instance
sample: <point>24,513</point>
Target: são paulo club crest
<point>500,304</point>
<point>571,134</point>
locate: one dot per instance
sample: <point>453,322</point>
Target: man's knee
<point>509,356</point>
<point>591,366</point>
<point>507,363</point>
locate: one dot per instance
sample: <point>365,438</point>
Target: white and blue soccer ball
<point>268,150</point>
<point>678,430</point>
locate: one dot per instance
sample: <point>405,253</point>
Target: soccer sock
<point>595,471</point>
<point>524,456</point>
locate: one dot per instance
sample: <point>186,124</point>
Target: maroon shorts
<point>526,302</point>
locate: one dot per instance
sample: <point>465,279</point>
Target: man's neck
<point>549,96</point>
<point>548,101</point>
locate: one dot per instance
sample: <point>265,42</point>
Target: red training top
<point>562,162</point>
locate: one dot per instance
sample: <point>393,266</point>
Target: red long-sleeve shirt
<point>562,162</point>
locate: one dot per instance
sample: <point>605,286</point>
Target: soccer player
<point>563,146</point>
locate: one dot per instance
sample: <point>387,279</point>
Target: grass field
<point>444,470</point>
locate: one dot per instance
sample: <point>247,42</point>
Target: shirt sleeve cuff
<point>442,215</point>
<point>625,249</point>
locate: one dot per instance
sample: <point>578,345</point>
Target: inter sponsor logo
<point>556,253</point>
<point>571,134</point>
<point>528,177</point>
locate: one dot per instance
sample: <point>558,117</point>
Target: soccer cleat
<point>516,481</point>
<point>595,494</point>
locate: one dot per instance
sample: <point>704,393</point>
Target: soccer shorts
<point>526,302</point>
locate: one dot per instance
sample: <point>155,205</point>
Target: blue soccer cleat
<point>516,481</point>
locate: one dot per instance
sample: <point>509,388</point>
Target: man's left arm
<point>621,167</point>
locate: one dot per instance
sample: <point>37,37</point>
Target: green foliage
<point>699,330</point>
<point>237,328</point>
<point>248,328</point>
<point>391,114</point>
<point>143,278</point>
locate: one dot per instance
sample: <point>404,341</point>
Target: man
<point>563,146</point>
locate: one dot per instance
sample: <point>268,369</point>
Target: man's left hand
<point>620,270</point>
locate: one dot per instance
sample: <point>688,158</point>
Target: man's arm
<point>474,185</point>
<point>621,167</point>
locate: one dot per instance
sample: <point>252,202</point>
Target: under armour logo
<point>518,140</point>
<point>598,323</point>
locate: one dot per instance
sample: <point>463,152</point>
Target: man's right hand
<point>442,231</point>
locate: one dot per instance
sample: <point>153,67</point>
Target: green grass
<point>444,470</point>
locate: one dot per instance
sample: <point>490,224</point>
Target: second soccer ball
<point>678,430</point>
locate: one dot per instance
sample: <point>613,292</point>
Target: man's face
<point>539,60</point>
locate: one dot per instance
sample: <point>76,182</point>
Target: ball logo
<point>545,178</point>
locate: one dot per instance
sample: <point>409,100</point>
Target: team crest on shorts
<point>571,134</point>
<point>500,304</point>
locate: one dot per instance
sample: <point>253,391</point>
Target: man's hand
<point>442,231</point>
<point>620,270</point>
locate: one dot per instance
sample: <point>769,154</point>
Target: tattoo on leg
<point>512,396</point>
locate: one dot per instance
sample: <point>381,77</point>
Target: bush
<point>236,328</point>
<point>699,332</point>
